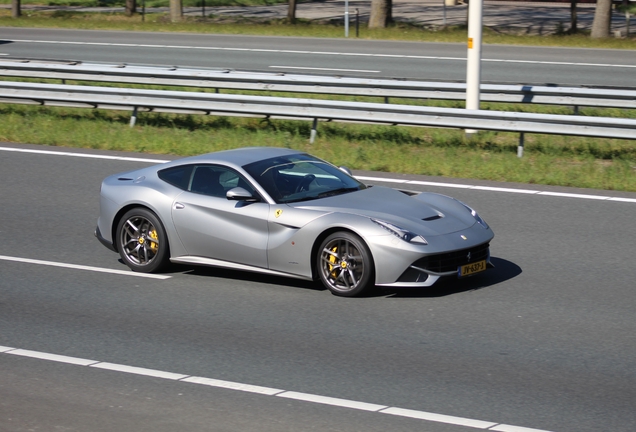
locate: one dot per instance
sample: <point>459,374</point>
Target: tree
<point>176,10</point>
<point>291,12</point>
<point>381,13</point>
<point>16,11</point>
<point>573,17</point>
<point>602,19</point>
<point>131,7</point>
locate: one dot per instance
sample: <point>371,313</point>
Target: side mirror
<point>240,194</point>
<point>346,170</point>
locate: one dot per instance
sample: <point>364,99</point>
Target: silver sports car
<point>285,212</point>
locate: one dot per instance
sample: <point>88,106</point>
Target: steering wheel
<point>303,184</point>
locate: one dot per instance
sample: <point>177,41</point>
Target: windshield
<point>301,177</point>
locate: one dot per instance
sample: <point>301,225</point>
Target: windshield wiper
<point>323,195</point>
<point>337,192</point>
<point>307,198</point>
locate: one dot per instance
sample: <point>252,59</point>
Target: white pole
<point>473,69</point>
<point>444,5</point>
<point>346,18</point>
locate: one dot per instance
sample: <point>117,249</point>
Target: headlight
<point>402,233</point>
<point>475,215</point>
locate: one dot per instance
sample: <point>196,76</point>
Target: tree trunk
<point>573,17</point>
<point>131,7</point>
<point>176,10</point>
<point>381,11</point>
<point>291,12</point>
<point>602,19</point>
<point>16,11</point>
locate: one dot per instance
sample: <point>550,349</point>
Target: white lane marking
<point>363,178</point>
<point>321,53</point>
<point>139,371</point>
<point>571,195</point>
<point>83,155</point>
<point>233,386</point>
<point>439,418</point>
<point>510,428</point>
<point>325,69</point>
<point>345,403</point>
<point>498,189</point>
<point>52,357</point>
<point>306,397</point>
<point>83,267</point>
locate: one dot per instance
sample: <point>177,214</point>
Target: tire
<point>345,265</point>
<point>141,241</point>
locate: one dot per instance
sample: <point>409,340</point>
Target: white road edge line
<point>439,418</point>
<point>82,155</point>
<point>325,400</point>
<point>305,397</point>
<point>498,189</point>
<point>319,53</point>
<point>83,267</point>
<point>51,357</point>
<point>362,178</point>
<point>325,69</point>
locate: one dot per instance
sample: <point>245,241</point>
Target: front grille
<point>450,261</point>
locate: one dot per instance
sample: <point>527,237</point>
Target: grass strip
<point>551,160</point>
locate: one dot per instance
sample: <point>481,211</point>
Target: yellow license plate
<point>469,269</point>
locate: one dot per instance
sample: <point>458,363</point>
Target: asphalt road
<point>545,341</point>
<point>501,64</point>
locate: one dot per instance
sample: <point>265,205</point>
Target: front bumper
<point>428,270</point>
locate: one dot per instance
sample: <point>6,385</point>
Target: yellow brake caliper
<point>153,235</point>
<point>332,260</point>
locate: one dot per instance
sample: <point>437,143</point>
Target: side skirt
<point>197,260</point>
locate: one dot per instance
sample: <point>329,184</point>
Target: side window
<point>216,180</point>
<point>177,176</point>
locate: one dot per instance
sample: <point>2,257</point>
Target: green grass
<point>553,160</point>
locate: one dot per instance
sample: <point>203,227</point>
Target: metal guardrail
<point>312,109</point>
<point>227,79</point>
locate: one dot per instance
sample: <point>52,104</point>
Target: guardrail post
<point>520,148</point>
<point>314,128</point>
<point>133,118</point>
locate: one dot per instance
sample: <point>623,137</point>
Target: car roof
<point>240,156</point>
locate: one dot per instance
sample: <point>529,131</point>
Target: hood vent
<point>432,218</point>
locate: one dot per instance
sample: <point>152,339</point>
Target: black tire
<point>141,241</point>
<point>345,265</point>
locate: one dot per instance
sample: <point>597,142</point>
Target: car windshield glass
<point>301,177</point>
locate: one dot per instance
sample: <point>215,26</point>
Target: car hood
<point>425,213</point>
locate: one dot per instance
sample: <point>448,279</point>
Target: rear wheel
<point>345,264</point>
<point>141,241</point>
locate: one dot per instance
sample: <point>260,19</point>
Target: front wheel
<point>141,241</point>
<point>345,264</point>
